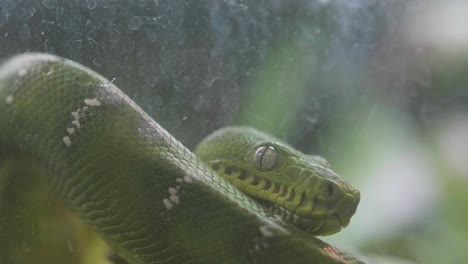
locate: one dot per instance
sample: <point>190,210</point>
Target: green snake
<point>70,137</point>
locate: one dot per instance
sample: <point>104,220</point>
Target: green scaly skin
<point>300,188</point>
<point>71,139</point>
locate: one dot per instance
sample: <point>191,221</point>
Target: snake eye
<point>265,158</point>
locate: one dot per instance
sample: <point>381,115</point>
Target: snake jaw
<point>322,209</point>
<point>317,226</point>
<point>316,215</point>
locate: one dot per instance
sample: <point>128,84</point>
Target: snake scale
<point>70,137</point>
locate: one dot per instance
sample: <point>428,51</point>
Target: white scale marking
<point>174,199</point>
<point>172,191</point>
<point>188,179</point>
<point>67,141</point>
<point>9,99</point>
<point>257,247</point>
<point>75,115</point>
<point>76,123</point>
<point>168,204</point>
<point>92,102</point>
<point>266,231</point>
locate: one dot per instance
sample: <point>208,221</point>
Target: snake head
<point>301,188</point>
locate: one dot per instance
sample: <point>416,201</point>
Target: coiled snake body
<point>68,131</point>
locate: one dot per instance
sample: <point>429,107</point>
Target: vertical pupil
<point>266,158</point>
<point>260,153</point>
<point>262,156</point>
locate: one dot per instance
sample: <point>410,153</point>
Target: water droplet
<point>91,4</point>
<point>59,13</point>
<point>25,32</point>
<point>50,4</point>
<point>135,23</point>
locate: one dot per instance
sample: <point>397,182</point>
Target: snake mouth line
<point>309,213</point>
<point>326,224</point>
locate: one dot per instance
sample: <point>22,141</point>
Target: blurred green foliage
<point>364,83</point>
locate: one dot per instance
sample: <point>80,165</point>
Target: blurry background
<point>379,88</point>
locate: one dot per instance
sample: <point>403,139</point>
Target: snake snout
<point>334,204</point>
<point>347,207</point>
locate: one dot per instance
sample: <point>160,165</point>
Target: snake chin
<point>326,225</point>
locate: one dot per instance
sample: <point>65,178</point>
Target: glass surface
<point>379,88</point>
